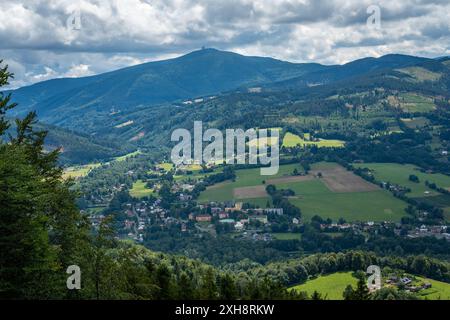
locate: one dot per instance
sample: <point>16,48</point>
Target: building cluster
<point>439,232</point>
<point>408,284</point>
<point>235,215</point>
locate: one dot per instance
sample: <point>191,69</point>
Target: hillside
<point>127,105</point>
<point>199,73</point>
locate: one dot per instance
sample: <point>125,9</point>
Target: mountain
<point>76,147</point>
<point>140,105</point>
<point>352,69</point>
<point>79,148</point>
<point>200,73</point>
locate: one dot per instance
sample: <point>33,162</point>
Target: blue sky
<point>38,43</point>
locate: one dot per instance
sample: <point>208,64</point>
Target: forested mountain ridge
<point>199,73</point>
<point>120,106</point>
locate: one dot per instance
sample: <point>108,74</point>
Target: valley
<point>364,174</point>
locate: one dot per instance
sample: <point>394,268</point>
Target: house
<point>227,221</point>
<point>295,221</point>
<point>129,224</point>
<point>239,226</point>
<point>203,218</point>
<point>278,211</point>
<point>244,221</point>
<point>188,187</point>
<point>426,285</point>
<point>215,210</point>
<point>185,197</point>
<point>405,280</point>
<point>223,215</point>
<point>262,219</point>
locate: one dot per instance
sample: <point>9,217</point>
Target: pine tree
<point>41,230</point>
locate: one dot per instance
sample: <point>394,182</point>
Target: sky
<point>42,39</point>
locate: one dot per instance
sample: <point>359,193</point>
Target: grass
<point>438,291</point>
<point>166,166</point>
<point>292,140</point>
<point>399,174</point>
<point>330,286</point>
<point>287,236</point>
<point>77,172</point>
<point>261,142</point>
<point>126,156</point>
<point>244,178</point>
<point>411,102</point>
<point>333,285</point>
<point>415,123</point>
<point>352,206</point>
<point>421,74</point>
<point>313,197</point>
<point>139,190</point>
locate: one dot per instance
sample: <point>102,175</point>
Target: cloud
<point>39,39</point>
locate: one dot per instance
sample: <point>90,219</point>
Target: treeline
<point>227,174</point>
<point>295,271</point>
<point>279,200</point>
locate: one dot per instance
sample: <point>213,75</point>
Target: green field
<point>139,190</point>
<point>421,74</point>
<point>286,236</point>
<point>399,174</point>
<point>314,198</point>
<point>126,156</point>
<point>410,102</point>
<point>166,166</point>
<point>361,206</point>
<point>292,140</point>
<point>330,286</point>
<point>438,291</point>
<point>333,285</point>
<point>415,123</point>
<point>244,178</point>
<point>77,172</point>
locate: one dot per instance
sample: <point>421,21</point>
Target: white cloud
<point>35,39</point>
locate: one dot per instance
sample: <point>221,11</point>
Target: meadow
<point>330,286</point>
<point>126,156</point>
<point>139,190</point>
<point>411,102</point>
<point>313,196</point>
<point>77,172</point>
<point>286,236</point>
<point>292,140</point>
<point>244,178</point>
<point>333,285</point>
<point>439,290</point>
<point>399,174</point>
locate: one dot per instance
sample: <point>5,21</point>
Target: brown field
<point>250,192</point>
<point>338,179</point>
<point>289,179</point>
